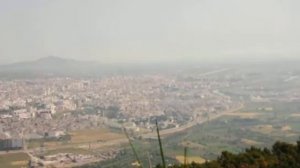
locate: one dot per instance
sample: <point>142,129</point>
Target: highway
<point>166,132</point>
<point>214,72</point>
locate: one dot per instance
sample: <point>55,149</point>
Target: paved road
<point>166,132</point>
<point>214,72</point>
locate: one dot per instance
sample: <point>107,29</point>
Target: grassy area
<point>245,114</point>
<point>94,135</point>
<point>14,160</point>
<point>233,133</point>
<point>239,130</point>
<point>190,159</point>
<point>78,138</point>
<point>31,144</point>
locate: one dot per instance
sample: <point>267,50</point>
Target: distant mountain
<point>50,66</point>
<point>60,67</point>
<point>50,60</point>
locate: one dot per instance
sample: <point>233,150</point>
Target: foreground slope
<point>282,155</point>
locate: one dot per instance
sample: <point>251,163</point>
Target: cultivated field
<point>14,160</point>
<point>190,159</point>
<point>81,142</point>
<point>192,145</point>
<point>94,135</point>
<point>295,115</point>
<point>245,114</point>
<point>250,142</point>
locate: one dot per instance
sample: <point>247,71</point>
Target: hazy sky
<point>149,31</point>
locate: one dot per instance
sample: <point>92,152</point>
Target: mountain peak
<point>51,59</point>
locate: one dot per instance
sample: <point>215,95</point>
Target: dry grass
<point>190,159</point>
<point>94,135</point>
<point>250,142</point>
<point>244,114</point>
<point>286,128</point>
<point>83,140</point>
<point>192,145</point>
<point>69,150</point>
<point>19,163</point>
<point>295,115</point>
<point>268,129</point>
<point>264,129</point>
<point>14,160</point>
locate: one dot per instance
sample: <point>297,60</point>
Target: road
<point>166,132</point>
<point>214,72</point>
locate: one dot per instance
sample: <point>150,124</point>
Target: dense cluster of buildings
<point>40,108</point>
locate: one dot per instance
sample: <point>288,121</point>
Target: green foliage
<point>282,155</point>
<point>111,112</point>
<point>185,157</point>
<point>133,149</point>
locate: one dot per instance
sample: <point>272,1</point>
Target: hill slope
<point>50,66</point>
<point>282,155</point>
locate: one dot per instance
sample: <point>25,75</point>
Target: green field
<point>234,132</point>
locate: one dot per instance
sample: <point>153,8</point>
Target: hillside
<point>282,155</point>
<point>49,66</point>
<point>53,66</point>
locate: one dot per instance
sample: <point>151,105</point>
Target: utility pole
<point>185,157</point>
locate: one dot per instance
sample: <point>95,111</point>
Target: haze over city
<point>137,31</point>
<point>157,83</point>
